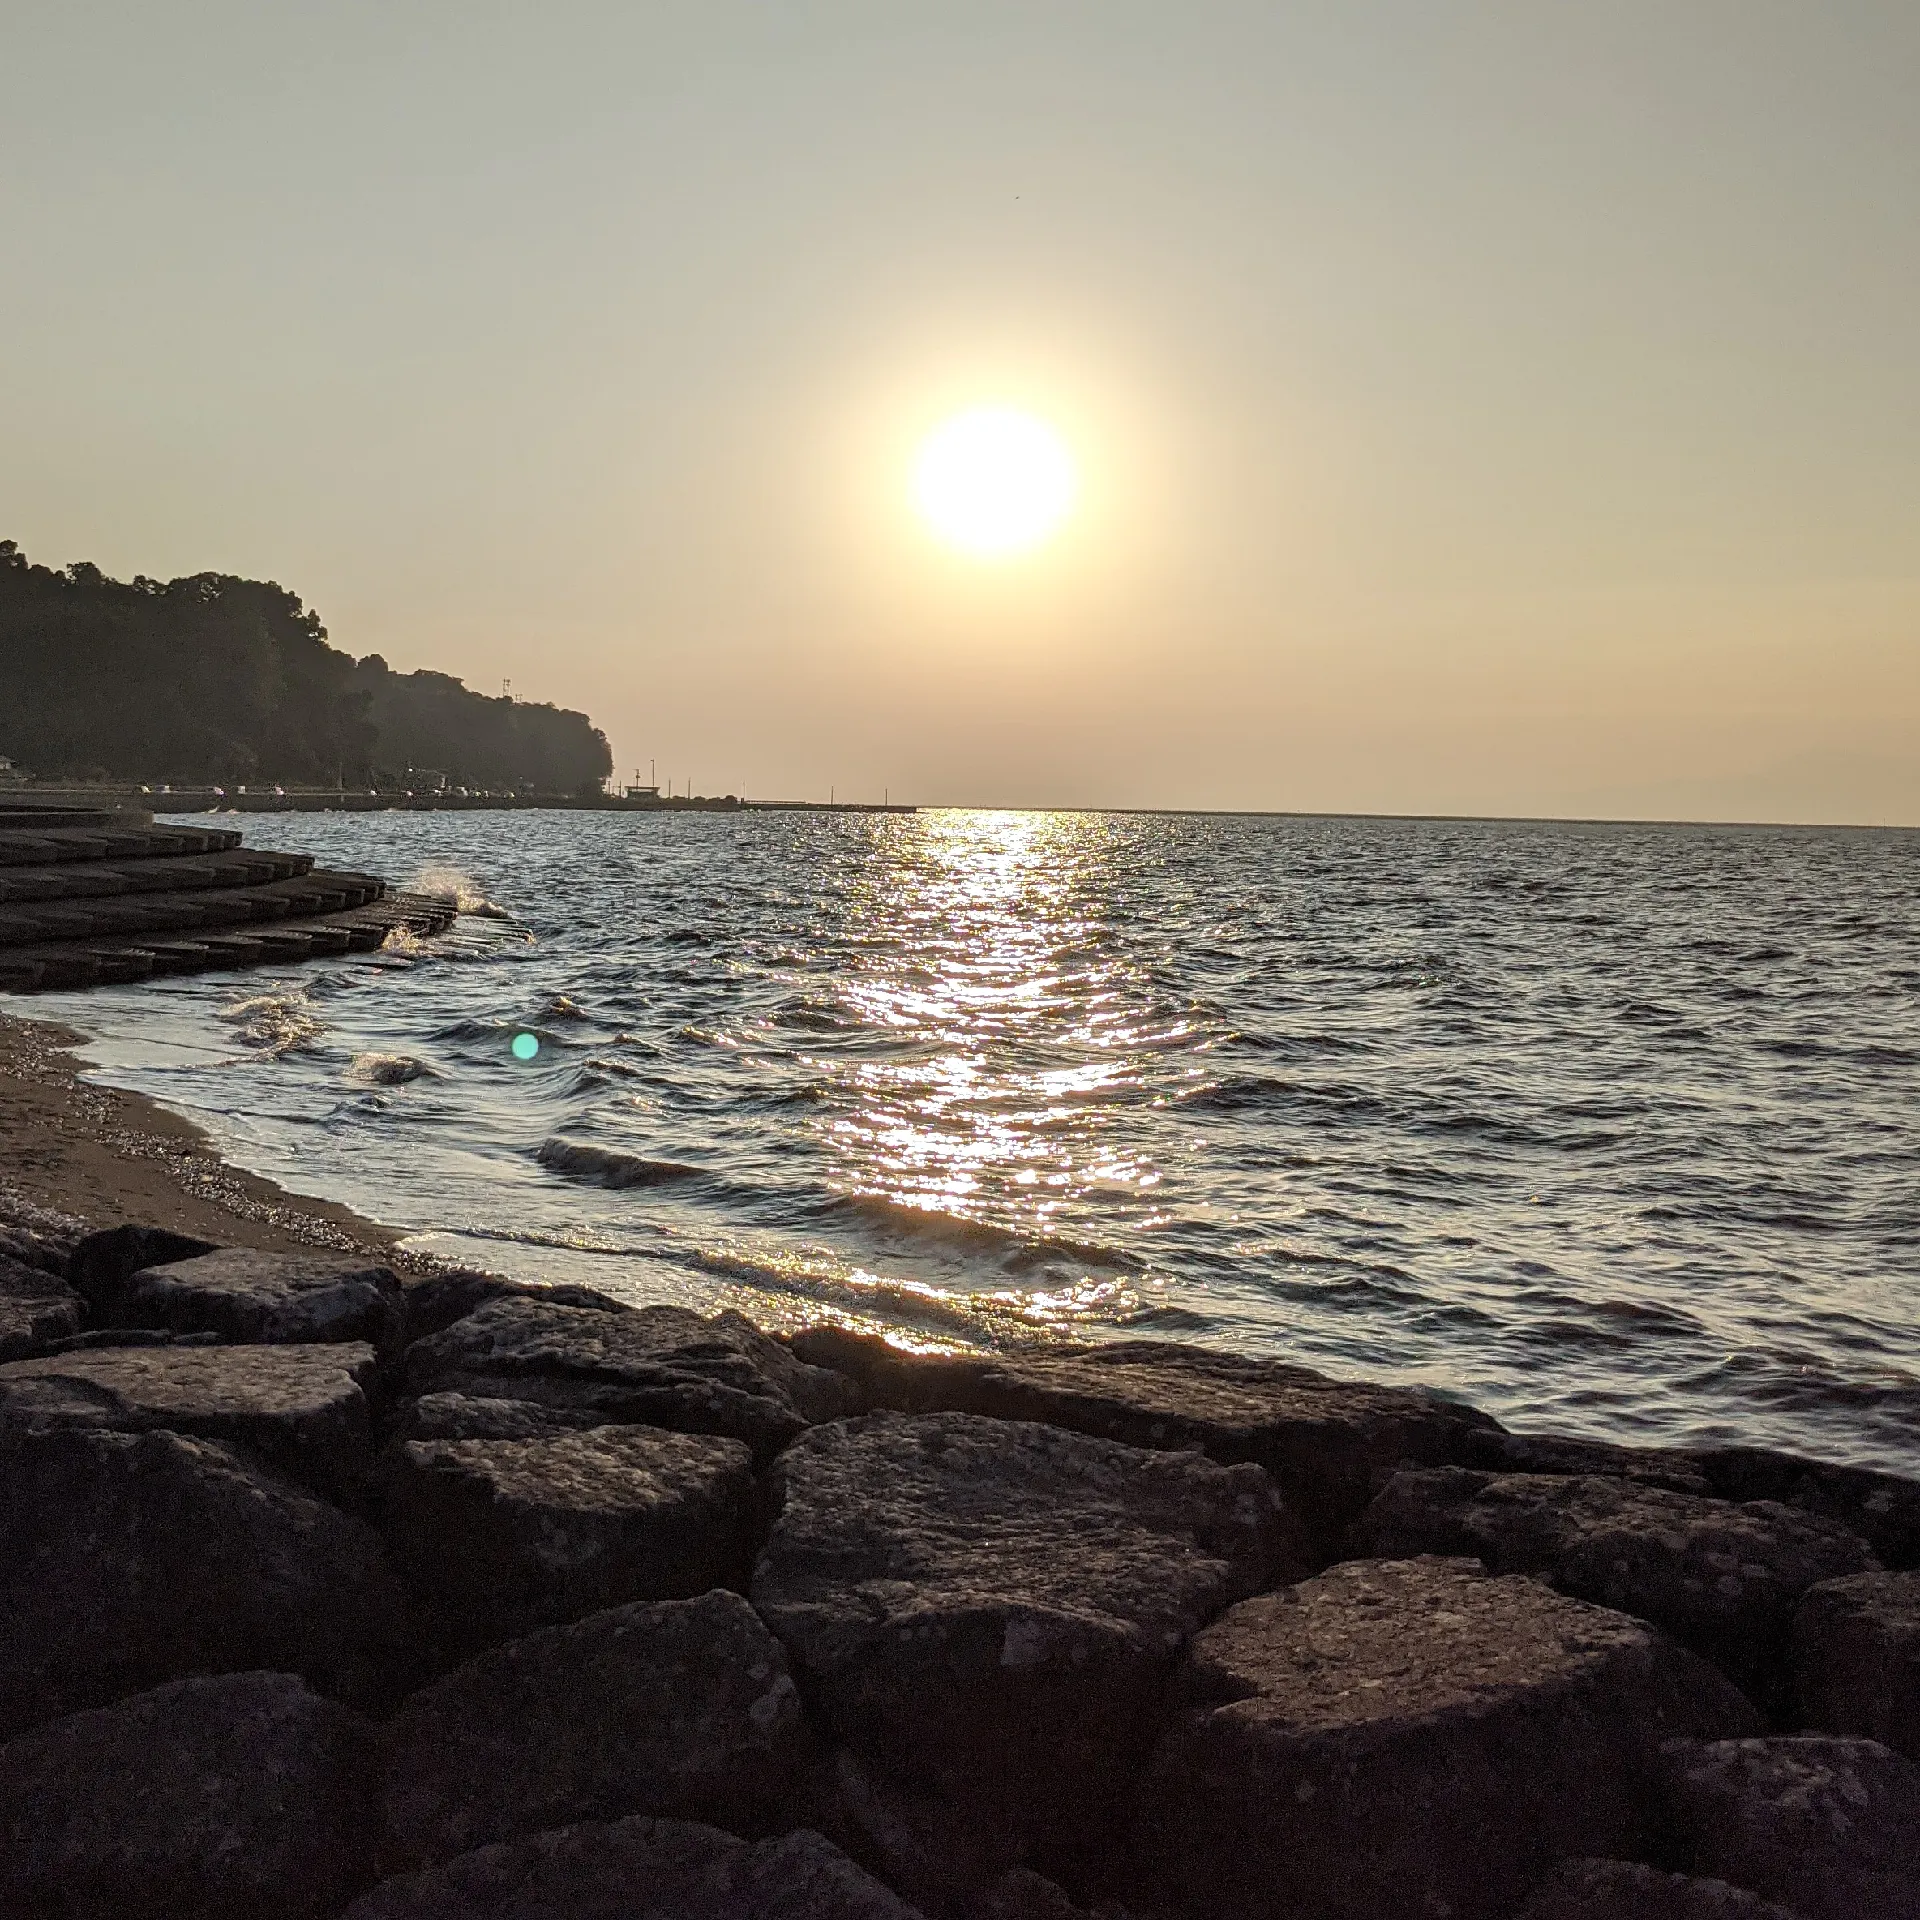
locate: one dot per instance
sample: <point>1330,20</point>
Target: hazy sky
<point>1481,408</point>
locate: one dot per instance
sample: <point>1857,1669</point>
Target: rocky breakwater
<point>333,1596</point>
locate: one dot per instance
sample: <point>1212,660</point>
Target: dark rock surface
<point>1021,1894</point>
<point>1823,1824</point>
<point>1720,1576</point>
<point>277,1298</point>
<point>1626,1890</point>
<point>102,1263</point>
<point>304,1409</point>
<point>499,1536</point>
<point>988,1607</point>
<point>1883,1509</point>
<point>42,1246</point>
<point>1325,1441</point>
<point>660,1366</point>
<point>1552,1453</point>
<point>463,1416</point>
<point>208,1799</point>
<point>36,1309</point>
<point>684,1708</point>
<point>1856,1658</point>
<point>434,1301</point>
<point>933,1851</point>
<point>639,1869</point>
<point>1411,1737</point>
<point>133,1558</point>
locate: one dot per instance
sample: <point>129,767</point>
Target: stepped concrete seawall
<point>332,1592</point>
<point>97,897</point>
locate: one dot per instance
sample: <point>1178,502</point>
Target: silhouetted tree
<point>217,678</point>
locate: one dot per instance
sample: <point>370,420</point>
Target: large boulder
<point>36,1309</point>
<point>989,1607</point>
<point>1826,1825</point>
<point>659,1366</point>
<point>272,1298</point>
<point>499,1536</point>
<point>1856,1658</point>
<point>684,1708</point>
<point>638,1869</point>
<point>465,1416</point>
<point>1325,1441</point>
<point>434,1301</point>
<point>1558,1453</point>
<point>1721,1576</point>
<point>1882,1508</point>
<point>1410,1737</point>
<point>304,1409</point>
<point>102,1263</point>
<point>127,1559</point>
<point>1628,1890</point>
<point>207,1799</point>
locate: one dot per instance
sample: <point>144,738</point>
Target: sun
<point>994,481</point>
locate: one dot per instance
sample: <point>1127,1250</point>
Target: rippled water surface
<point>1613,1129</point>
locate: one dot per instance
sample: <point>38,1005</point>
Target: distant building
<point>9,773</point>
<point>643,793</point>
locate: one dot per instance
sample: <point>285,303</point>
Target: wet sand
<point>93,1156</point>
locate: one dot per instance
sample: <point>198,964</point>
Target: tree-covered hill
<point>217,678</point>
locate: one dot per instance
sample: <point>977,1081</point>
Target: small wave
<point>388,1069</point>
<point>458,890</point>
<point>608,1167</point>
<point>275,1023</point>
<point>1013,1251</point>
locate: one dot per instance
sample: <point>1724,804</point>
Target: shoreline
<point>98,1156</point>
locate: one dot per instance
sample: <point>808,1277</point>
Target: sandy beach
<point>96,1157</point>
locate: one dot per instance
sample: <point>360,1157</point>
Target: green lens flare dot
<point>525,1046</point>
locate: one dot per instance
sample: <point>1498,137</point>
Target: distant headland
<point>216,682</point>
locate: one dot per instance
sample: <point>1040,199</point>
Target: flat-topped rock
<point>137,1558</point>
<point>207,1799</point>
<point>1825,1825</point>
<point>1882,1508</point>
<point>245,1295</point>
<point>639,1869</point>
<point>499,1536</point>
<point>660,1366</point>
<point>1721,1576</point>
<point>102,1263</point>
<point>304,1409</point>
<point>990,1606</point>
<point>1410,1737</point>
<point>684,1708</point>
<point>1856,1658</point>
<point>434,1301</point>
<point>1627,1890</point>
<point>465,1416</point>
<point>36,1309</point>
<point>1677,1471</point>
<point>1326,1441</point>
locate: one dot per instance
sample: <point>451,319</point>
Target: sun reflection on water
<point>1013,1026</point>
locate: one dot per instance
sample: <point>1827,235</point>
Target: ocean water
<point>1611,1130</point>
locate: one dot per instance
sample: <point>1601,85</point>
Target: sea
<point>1611,1130</point>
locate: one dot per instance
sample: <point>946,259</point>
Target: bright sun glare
<point>994,481</point>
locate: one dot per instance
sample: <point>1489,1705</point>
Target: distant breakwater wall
<point>330,1593</point>
<point>205,799</point>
